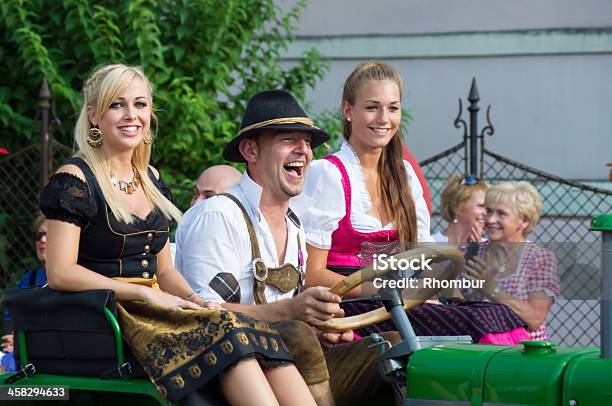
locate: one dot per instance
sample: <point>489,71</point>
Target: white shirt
<point>213,238</point>
<point>324,185</point>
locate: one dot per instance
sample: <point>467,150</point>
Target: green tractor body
<point>535,373</point>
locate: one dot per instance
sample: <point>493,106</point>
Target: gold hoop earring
<point>94,137</point>
<point>148,139</point>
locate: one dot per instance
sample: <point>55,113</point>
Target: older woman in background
<point>517,272</point>
<point>462,206</point>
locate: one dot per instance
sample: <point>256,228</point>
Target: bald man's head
<point>215,180</point>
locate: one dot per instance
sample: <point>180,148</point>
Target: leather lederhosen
<point>284,278</point>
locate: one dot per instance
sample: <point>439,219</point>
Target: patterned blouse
<point>536,272</point>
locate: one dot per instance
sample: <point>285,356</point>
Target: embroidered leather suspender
<point>285,277</point>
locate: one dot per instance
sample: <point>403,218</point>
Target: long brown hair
<point>397,200</point>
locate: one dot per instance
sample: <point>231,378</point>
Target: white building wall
<point>359,17</point>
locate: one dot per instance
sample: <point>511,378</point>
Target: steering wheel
<point>412,297</point>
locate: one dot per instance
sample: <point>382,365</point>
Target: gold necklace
<point>124,186</point>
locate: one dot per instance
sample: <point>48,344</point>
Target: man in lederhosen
<point>246,248</point>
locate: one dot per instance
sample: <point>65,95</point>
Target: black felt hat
<point>273,110</point>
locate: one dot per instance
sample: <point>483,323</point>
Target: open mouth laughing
<point>295,169</point>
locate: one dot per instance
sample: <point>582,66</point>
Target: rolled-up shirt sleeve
<point>205,240</point>
<point>324,185</point>
<point>422,213</point>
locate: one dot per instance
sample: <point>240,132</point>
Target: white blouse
<point>324,185</point>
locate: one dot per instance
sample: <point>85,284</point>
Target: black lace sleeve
<point>66,198</point>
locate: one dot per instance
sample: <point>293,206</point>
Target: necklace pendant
<point>125,187</point>
<point>501,268</point>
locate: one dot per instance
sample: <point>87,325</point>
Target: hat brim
<point>232,153</point>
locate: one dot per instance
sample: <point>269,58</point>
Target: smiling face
<point>375,116</point>
<point>127,120</point>
<point>278,162</point>
<point>473,210</point>
<point>503,223</point>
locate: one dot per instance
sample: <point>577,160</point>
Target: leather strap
<point>285,278</point>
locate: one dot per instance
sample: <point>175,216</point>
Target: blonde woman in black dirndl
<point>109,214</point>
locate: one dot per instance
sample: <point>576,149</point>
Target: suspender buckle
<point>256,274</point>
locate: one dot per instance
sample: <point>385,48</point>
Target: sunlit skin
<point>473,211</point>
<point>470,219</point>
<point>123,125</point>
<point>279,162</point>
<point>127,119</point>
<point>375,116</point>
<point>503,224</point>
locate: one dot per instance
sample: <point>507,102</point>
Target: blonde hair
<point>397,200</point>
<point>522,197</point>
<point>455,194</point>
<point>100,91</point>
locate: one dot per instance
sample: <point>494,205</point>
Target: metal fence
<point>564,225</point>
<point>20,184</point>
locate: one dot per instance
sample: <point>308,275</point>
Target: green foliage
<point>329,120</point>
<point>205,59</point>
